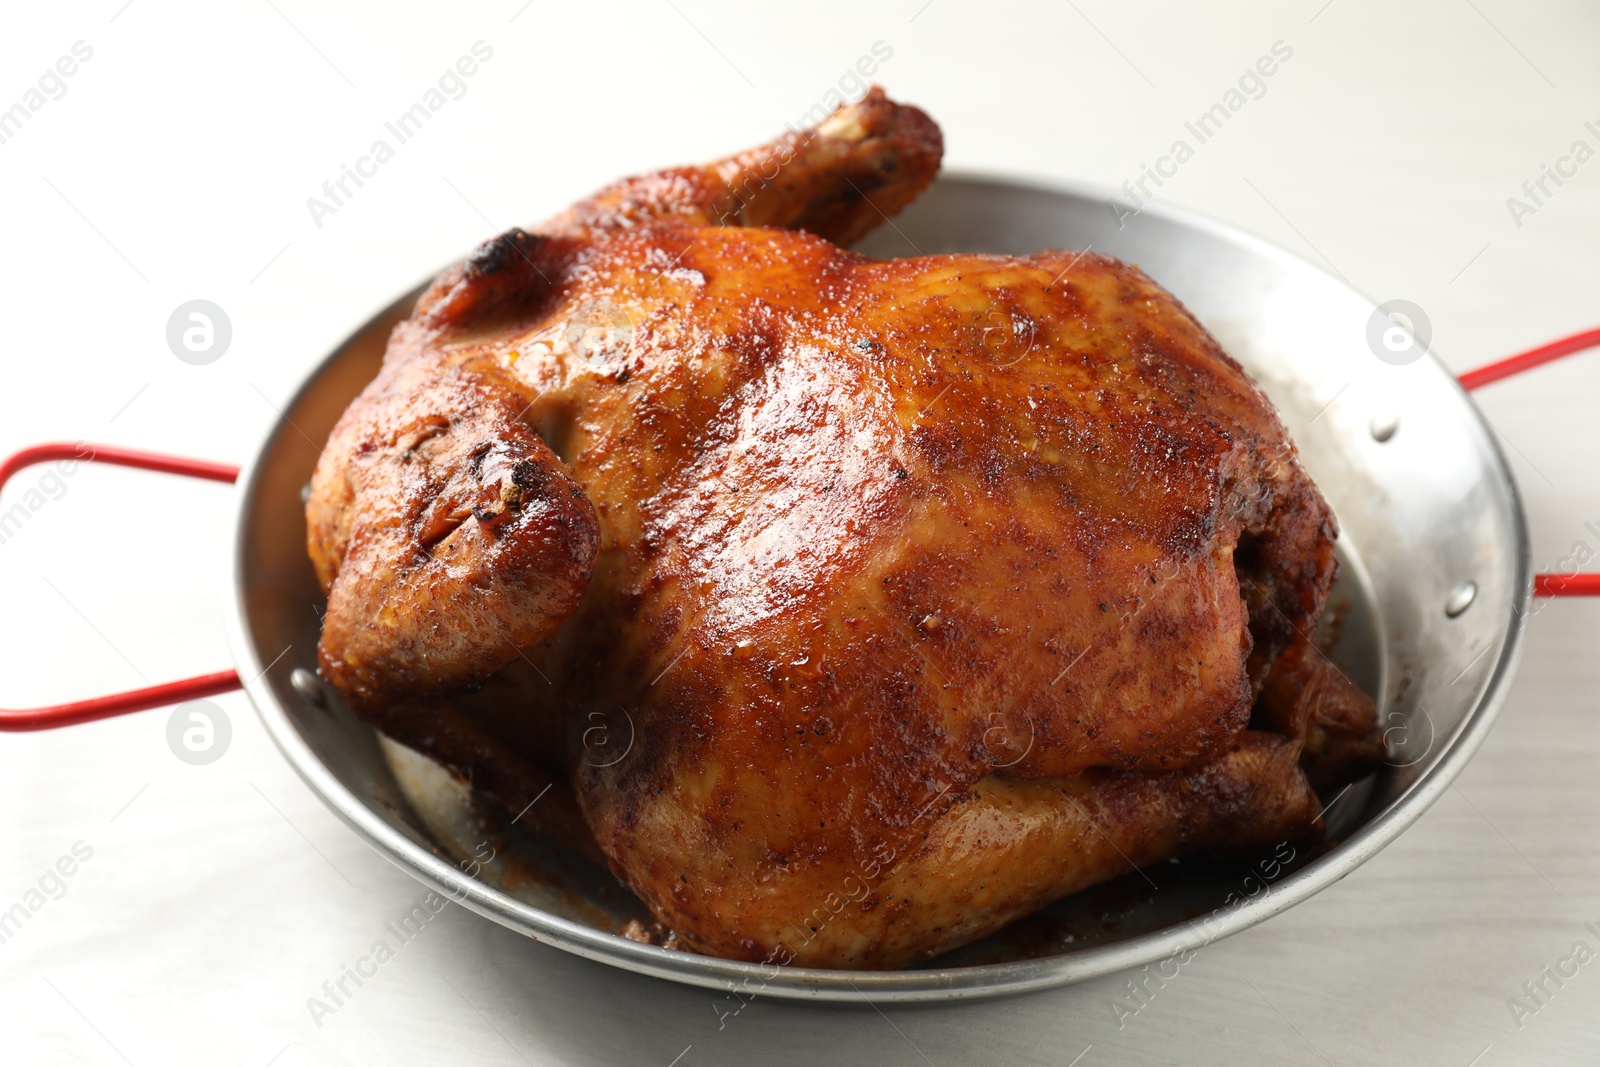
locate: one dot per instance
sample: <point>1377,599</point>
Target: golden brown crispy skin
<point>839,181</point>
<point>1006,848</point>
<point>976,563</point>
<point>1307,697</point>
<point>447,534</point>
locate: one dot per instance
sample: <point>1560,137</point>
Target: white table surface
<point>177,165</point>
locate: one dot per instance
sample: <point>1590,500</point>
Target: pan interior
<point>1420,490</point>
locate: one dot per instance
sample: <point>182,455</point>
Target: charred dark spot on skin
<point>512,481</point>
<point>501,482</point>
<point>497,253</point>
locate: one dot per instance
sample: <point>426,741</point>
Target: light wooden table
<point>177,164</point>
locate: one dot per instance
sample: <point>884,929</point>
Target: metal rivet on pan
<point>305,494</point>
<point>1383,427</point>
<point>1461,598</point>
<point>309,686</point>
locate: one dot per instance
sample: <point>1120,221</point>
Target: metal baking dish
<point>1436,580</point>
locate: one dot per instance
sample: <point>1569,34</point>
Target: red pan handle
<point>1543,584</point>
<point>17,719</point>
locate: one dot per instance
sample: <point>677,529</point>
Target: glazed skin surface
<point>923,592</point>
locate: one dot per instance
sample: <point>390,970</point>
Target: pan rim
<point>903,986</point>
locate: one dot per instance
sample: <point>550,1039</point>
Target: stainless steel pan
<point>1436,581</point>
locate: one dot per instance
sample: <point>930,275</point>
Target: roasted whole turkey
<point>853,608</point>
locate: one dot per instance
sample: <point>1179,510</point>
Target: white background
<point>177,166</point>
